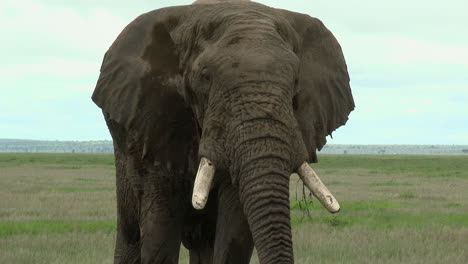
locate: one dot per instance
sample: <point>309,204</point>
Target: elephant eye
<point>295,97</point>
<point>294,103</point>
<point>205,75</point>
<point>296,87</point>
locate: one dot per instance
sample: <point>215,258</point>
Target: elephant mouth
<point>206,171</point>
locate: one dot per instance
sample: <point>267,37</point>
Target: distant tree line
<point>395,149</point>
<point>105,146</point>
<point>20,145</point>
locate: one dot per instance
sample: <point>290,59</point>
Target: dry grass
<point>59,208</point>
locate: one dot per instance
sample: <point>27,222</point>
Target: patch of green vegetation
<point>86,180</point>
<point>336,221</point>
<point>433,198</point>
<point>5,213</point>
<point>407,195</point>
<point>34,227</point>
<point>369,205</point>
<point>334,182</point>
<point>65,167</point>
<point>387,220</point>
<point>304,204</point>
<point>83,189</point>
<point>390,183</point>
<point>32,213</point>
<point>454,205</point>
<point>349,206</point>
<point>64,159</point>
<point>417,165</point>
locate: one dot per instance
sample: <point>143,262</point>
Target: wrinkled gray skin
<point>254,89</point>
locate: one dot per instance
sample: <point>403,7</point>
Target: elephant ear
<point>137,88</point>
<point>324,100</point>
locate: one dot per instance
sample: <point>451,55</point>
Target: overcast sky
<point>408,63</point>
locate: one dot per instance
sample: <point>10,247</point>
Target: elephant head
<point>253,90</point>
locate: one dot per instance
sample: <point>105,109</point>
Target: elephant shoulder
<point>125,63</point>
<point>137,86</point>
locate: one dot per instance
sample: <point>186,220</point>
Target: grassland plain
<point>60,208</point>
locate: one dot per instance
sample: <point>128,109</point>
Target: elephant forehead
<point>210,22</point>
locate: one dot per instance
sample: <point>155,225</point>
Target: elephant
<point>211,107</point>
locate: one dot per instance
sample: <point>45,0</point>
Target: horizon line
<point>336,144</point>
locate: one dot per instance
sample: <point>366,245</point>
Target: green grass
<point>74,161</point>
<point>60,208</point>
<point>390,183</point>
<point>36,227</point>
<point>424,166</point>
<point>382,220</point>
<point>454,205</point>
<point>378,214</point>
<point>407,195</point>
<point>79,189</point>
<point>348,206</point>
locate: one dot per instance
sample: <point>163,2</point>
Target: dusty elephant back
<point>198,2</point>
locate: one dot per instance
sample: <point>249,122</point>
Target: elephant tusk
<point>202,185</point>
<point>318,189</point>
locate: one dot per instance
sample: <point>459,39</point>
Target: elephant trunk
<point>263,160</point>
<point>264,194</point>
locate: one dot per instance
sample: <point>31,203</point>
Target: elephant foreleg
<point>160,221</point>
<point>160,240</point>
<point>200,234</point>
<point>127,246</point>
<point>126,253</point>
<point>233,243</point>
<point>149,215</point>
<point>201,255</point>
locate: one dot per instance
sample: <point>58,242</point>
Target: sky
<point>407,60</point>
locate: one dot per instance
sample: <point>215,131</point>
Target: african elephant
<point>225,98</point>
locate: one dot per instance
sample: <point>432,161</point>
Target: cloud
<point>387,49</point>
<point>33,24</point>
<point>414,110</point>
<point>53,67</point>
<point>459,136</point>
